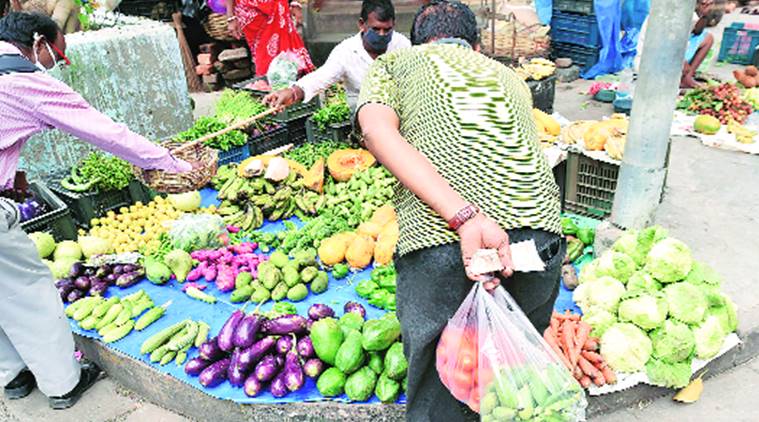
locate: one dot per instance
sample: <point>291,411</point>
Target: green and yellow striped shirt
<point>472,118</point>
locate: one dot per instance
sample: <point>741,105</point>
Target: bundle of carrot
<point>570,339</point>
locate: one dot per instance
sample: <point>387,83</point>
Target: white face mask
<point>37,39</point>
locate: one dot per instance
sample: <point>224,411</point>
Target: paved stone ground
<point>710,203</point>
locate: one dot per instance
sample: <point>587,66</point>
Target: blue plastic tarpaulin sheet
<point>544,8</point>
<point>618,51</point>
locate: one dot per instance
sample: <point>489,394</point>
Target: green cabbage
<point>61,267</point>
<point>709,337</point>
<point>687,303</point>
<point>603,293</point>
<point>646,310</point>
<point>599,319</point>
<point>588,272</point>
<point>44,242</point>
<point>637,244</point>
<point>641,280</point>
<point>702,274</point>
<point>723,308</point>
<point>670,375</point>
<point>669,260</point>
<point>673,342</point>
<point>617,265</point>
<point>625,347</point>
<point>649,236</point>
<point>68,249</point>
<point>93,245</point>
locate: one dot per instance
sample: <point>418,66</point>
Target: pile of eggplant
<point>85,280</point>
<point>255,350</point>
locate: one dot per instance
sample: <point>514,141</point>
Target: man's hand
<point>282,98</point>
<point>481,232</point>
<point>234,29</point>
<point>179,166</point>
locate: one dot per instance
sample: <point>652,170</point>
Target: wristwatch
<point>465,214</point>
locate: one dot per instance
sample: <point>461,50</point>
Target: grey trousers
<point>431,286</point>
<point>34,332</point>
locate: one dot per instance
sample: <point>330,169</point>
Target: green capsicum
<point>568,226</point>
<point>339,271</point>
<point>366,288</point>
<point>586,235</point>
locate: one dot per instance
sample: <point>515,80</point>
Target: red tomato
<point>466,361</point>
<point>462,379</point>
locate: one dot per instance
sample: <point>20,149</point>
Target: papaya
<point>332,250</point>
<point>350,355</point>
<point>360,251</point>
<point>344,163</point>
<point>708,125</point>
<point>615,146</point>
<point>383,215</point>
<point>314,178</point>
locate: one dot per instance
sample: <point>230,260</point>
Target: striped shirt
<point>472,118</point>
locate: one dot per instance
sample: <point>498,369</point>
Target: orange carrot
<point>609,375</point>
<point>554,325</point>
<point>585,381</point>
<point>591,344</point>
<point>588,368</point>
<point>577,372</point>
<point>567,316</point>
<point>569,342</point>
<point>551,340</point>
<point>599,380</point>
<point>592,357</point>
<point>583,333</point>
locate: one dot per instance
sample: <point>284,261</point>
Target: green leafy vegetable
<point>646,310</point>
<point>625,347</point>
<point>641,280</point>
<point>669,260</point>
<point>670,375</point>
<point>687,303</point>
<point>709,336</point>
<point>308,153</point>
<point>599,319</point>
<point>673,342</point>
<point>205,125</point>
<point>109,172</point>
<point>616,265</point>
<point>603,293</point>
<point>332,114</point>
<point>234,106</point>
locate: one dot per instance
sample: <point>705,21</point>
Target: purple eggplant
<point>111,279</point>
<point>88,271</point>
<point>98,288</point>
<point>293,372</point>
<point>245,333</point>
<point>128,268</point>
<point>76,270</point>
<point>356,308</point>
<point>214,374</point>
<point>102,271</point>
<point>267,368</point>
<point>309,323</point>
<point>64,282</point>
<point>253,386</point>
<point>318,311</point>
<point>129,279</point>
<point>64,286</point>
<point>227,331</point>
<point>251,355</point>
<point>118,269</point>
<point>284,344</point>
<point>195,366</point>
<point>305,348</point>
<point>210,350</point>
<point>236,372</point>
<point>313,368</point>
<point>74,295</point>
<point>286,325</point>
<point>82,283</point>
<point>278,388</point>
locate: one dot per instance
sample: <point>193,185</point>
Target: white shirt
<point>348,62</point>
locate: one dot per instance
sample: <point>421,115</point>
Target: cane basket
<point>204,161</point>
<point>216,27</point>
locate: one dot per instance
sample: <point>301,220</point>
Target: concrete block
<point>240,64</point>
<point>211,79</point>
<point>237,74</point>
<point>203,69</point>
<point>232,55</point>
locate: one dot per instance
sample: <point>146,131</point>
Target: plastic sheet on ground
<point>184,307</point>
<point>682,125</point>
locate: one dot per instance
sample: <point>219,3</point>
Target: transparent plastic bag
<point>197,231</point>
<point>492,358</point>
<point>283,70</point>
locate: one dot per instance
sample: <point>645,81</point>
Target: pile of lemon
<point>136,227</point>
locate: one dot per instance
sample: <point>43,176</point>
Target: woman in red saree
<point>269,30</point>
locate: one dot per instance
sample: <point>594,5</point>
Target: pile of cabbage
<point>654,307</point>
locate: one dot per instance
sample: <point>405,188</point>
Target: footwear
<point>21,386</point>
<point>90,373</point>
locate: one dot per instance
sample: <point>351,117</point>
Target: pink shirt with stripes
<point>33,102</point>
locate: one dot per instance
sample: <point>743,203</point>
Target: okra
<point>85,310</point>
<point>103,308</point>
<point>119,333</point>
<point>110,316</point>
<point>168,357</point>
<point>151,316</point>
<point>196,293</point>
<point>180,342</point>
<point>159,338</point>
<point>202,336</point>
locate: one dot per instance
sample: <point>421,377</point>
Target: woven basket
<point>203,159</point>
<point>514,40</point>
<point>217,27</point>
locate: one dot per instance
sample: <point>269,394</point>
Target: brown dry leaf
<point>692,392</point>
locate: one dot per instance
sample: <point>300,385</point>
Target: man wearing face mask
<point>36,344</point>
<point>349,61</point>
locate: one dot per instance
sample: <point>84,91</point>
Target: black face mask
<point>378,43</point>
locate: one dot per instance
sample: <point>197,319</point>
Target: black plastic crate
<point>338,132</point>
<point>590,186</point>
<point>57,221</point>
<point>160,10</point>
<point>244,86</point>
<point>234,155</point>
<point>584,7</point>
<point>296,131</point>
<point>584,57</point>
<point>573,28</point>
<point>86,206</point>
<point>140,193</point>
<point>543,93</point>
<point>268,141</point>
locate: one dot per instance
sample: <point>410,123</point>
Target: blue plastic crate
<point>739,42</point>
<point>234,155</point>
<point>584,57</point>
<point>576,29</point>
<point>583,7</point>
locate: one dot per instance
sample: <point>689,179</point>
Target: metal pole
<point>641,178</point>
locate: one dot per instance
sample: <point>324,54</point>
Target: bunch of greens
<point>655,308</point>
<point>234,106</point>
<point>309,236</point>
<point>108,172</point>
<point>332,114</point>
<point>308,153</point>
<point>205,125</point>
<point>379,290</point>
